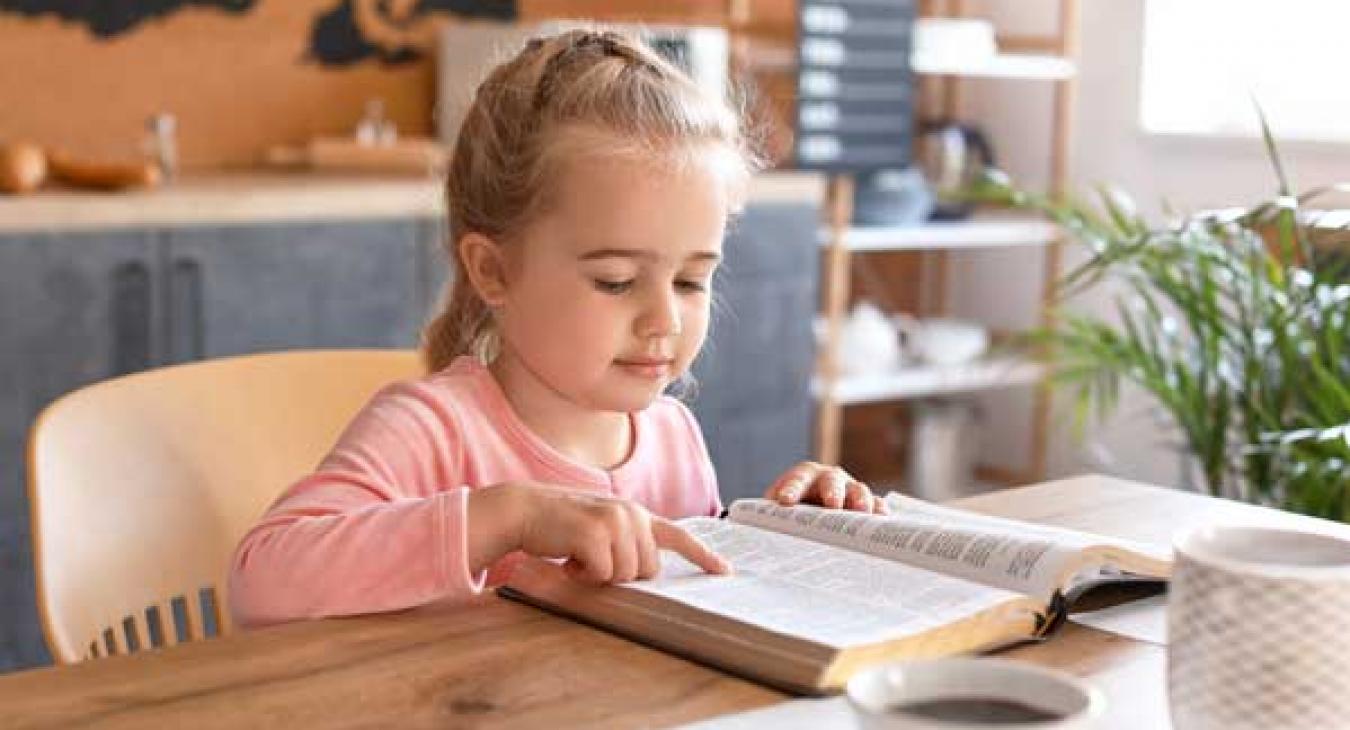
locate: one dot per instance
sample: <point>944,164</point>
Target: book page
<point>902,504</point>
<point>996,555</point>
<point>815,591</point>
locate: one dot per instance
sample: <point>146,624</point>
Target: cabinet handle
<point>185,286</point>
<point>131,318</point>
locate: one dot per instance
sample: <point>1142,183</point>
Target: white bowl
<point>877,693</point>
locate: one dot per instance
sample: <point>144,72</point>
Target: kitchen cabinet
<point>74,309</point>
<point>236,290</point>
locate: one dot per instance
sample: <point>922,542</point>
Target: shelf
<point>927,380</point>
<point>1001,66</point>
<point>994,231</point>
<point>775,59</point>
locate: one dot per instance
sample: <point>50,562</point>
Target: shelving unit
<point>1001,66</point>
<point>1050,59</point>
<point>917,381</point>
<point>981,231</point>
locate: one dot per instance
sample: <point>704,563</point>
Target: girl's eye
<point>691,285</point>
<point>613,287</point>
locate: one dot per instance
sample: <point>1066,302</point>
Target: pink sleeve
<point>370,530</point>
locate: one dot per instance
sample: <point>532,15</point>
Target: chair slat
<point>220,599</point>
<point>142,629</point>
<point>119,640</point>
<point>162,617</point>
<point>127,630</point>
<point>196,627</point>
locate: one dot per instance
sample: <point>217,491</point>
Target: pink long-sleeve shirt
<point>381,524</point>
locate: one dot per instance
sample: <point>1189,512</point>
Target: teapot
<point>867,342</point>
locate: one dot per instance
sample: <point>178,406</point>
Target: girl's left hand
<point>828,486</point>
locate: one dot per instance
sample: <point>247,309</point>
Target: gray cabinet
<point>435,266</point>
<point>754,374</point>
<point>336,284</point>
<point>74,309</point>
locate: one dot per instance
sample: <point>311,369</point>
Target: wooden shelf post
<point>834,294</point>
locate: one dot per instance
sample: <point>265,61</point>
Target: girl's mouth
<point>651,369</point>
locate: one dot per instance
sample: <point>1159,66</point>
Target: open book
<point>818,594</point>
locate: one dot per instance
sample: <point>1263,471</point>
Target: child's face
<point>608,296</point>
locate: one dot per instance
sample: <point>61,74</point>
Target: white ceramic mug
<point>1258,627</point>
<point>887,695</point>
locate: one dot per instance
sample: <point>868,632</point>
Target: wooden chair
<point>140,486</point>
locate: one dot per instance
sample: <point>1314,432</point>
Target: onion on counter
<point>23,167</point>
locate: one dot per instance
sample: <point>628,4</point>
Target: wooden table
<point>498,663</point>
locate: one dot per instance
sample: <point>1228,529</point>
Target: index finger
<point>671,536</point>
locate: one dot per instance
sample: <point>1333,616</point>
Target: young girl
<point>588,195</point>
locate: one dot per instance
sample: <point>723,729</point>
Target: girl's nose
<point>660,317</point>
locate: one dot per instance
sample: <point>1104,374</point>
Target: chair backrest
<point>141,486</point>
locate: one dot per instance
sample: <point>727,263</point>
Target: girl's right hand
<point>604,539</point>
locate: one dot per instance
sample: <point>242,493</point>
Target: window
<point>1205,61</point>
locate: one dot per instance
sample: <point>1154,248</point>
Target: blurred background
<point>189,179</point>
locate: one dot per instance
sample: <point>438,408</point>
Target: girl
<point>588,195</point>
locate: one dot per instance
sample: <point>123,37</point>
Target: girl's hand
<point>828,486</point>
<point>604,539</point>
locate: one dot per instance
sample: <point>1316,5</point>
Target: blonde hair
<point>631,101</point>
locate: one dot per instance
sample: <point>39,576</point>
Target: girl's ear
<point>485,264</point>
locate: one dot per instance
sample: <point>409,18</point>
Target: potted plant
<point>1232,320</point>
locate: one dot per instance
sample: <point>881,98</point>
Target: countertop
<point>245,197</point>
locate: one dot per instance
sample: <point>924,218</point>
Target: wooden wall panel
<point>711,12</point>
<point>241,81</point>
<point>237,83</point>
